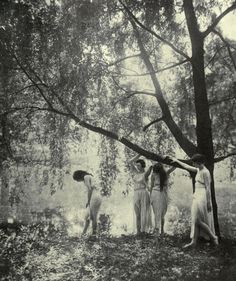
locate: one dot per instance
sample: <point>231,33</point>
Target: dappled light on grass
<point>58,257</point>
<point>53,248</point>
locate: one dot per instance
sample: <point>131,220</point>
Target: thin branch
<point>213,57</point>
<point>46,86</point>
<point>219,159</point>
<point>218,19</point>
<point>36,85</point>
<point>156,71</point>
<point>130,93</point>
<point>15,109</point>
<point>222,100</point>
<point>122,59</point>
<point>153,122</point>
<point>172,46</point>
<point>227,46</point>
<point>26,87</point>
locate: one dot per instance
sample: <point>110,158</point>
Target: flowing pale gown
<point>199,204</point>
<point>142,202</point>
<point>159,202</point>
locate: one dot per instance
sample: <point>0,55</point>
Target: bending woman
<point>141,195</point>
<point>159,195</point>
<point>94,199</point>
<point>201,210</point>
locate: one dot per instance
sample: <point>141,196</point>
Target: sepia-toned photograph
<point>117,140</point>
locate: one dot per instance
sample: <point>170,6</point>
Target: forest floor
<point>58,257</point>
<point>44,252</point>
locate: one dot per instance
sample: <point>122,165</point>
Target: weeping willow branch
<point>34,83</point>
<point>172,46</point>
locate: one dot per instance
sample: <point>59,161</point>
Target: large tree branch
<point>218,19</point>
<point>182,140</point>
<point>219,159</point>
<point>136,148</point>
<point>172,46</point>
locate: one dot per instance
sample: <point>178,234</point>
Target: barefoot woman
<point>94,199</point>
<point>201,211</point>
<point>159,195</point>
<point>141,196</point>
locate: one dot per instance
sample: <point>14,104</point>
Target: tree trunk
<point>4,197</point>
<point>203,127</point>
<point>214,204</point>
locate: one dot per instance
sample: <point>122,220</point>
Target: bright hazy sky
<point>228,25</point>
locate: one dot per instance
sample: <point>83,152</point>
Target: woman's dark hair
<point>159,169</point>
<point>142,162</point>
<point>79,175</point>
<point>198,158</point>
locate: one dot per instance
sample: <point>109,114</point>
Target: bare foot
<point>190,245</point>
<point>216,241</point>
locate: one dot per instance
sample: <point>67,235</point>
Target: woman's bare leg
<point>138,219</point>
<point>193,242</point>
<point>87,222</point>
<point>94,225</point>
<point>162,226</point>
<point>207,229</point>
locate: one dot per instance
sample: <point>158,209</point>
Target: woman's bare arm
<point>169,171</point>
<point>147,173</point>
<point>152,183</point>
<point>133,160</point>
<point>185,166</point>
<point>207,183</point>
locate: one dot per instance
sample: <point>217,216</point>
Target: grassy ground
<point>57,257</point>
<point>38,254</point>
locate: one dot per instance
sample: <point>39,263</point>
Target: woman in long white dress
<point>141,196</point>
<point>94,199</point>
<point>201,210</point>
<point>159,195</point>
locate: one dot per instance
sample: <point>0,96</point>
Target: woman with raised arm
<point>159,195</point>
<point>201,210</point>
<point>94,199</point>
<point>141,196</point>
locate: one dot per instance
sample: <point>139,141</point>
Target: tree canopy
<point>148,74</point>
